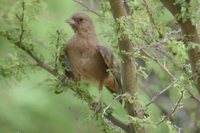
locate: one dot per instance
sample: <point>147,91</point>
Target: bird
<point>87,59</point>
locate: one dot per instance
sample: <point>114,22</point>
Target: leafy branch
<point>57,53</point>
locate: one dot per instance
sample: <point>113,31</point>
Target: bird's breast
<point>86,61</point>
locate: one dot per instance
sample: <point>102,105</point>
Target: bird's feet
<point>59,87</point>
<point>98,107</point>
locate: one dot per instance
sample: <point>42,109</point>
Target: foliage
<point>162,64</point>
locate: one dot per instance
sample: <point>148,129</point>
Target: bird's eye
<point>80,19</point>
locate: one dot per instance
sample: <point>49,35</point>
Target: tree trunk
<point>128,67</point>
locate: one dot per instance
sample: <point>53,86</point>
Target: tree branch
<point>117,122</point>
<point>21,19</point>
<point>193,96</point>
<point>158,62</point>
<point>87,7</point>
<point>150,14</point>
<point>163,91</point>
<point>174,109</point>
<point>57,53</point>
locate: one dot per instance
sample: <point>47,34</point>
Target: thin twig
<point>87,7</point>
<point>37,59</point>
<point>158,62</point>
<point>128,10</point>
<point>150,14</point>
<point>109,105</point>
<point>21,20</point>
<point>57,49</point>
<point>152,21</point>
<point>164,67</point>
<point>160,93</point>
<point>163,52</point>
<point>105,115</point>
<point>27,50</point>
<point>178,128</point>
<point>156,46</point>
<point>193,96</point>
<point>174,109</point>
<point>162,41</point>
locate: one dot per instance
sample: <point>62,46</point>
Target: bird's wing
<point>110,61</point>
<point>107,55</point>
<point>66,65</point>
<point>68,73</point>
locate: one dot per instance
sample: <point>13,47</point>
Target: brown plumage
<point>86,58</point>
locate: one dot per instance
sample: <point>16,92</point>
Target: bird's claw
<point>97,107</point>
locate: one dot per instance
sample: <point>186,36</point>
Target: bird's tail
<point>112,85</point>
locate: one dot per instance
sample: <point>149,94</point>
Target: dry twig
<point>87,7</point>
<point>174,109</point>
<point>160,93</point>
<point>57,53</point>
<point>150,14</point>
<point>157,61</point>
<point>193,96</point>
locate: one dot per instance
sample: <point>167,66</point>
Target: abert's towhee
<point>86,58</point>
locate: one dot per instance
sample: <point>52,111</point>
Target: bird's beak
<point>70,21</point>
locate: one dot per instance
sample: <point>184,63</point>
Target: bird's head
<point>81,23</point>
